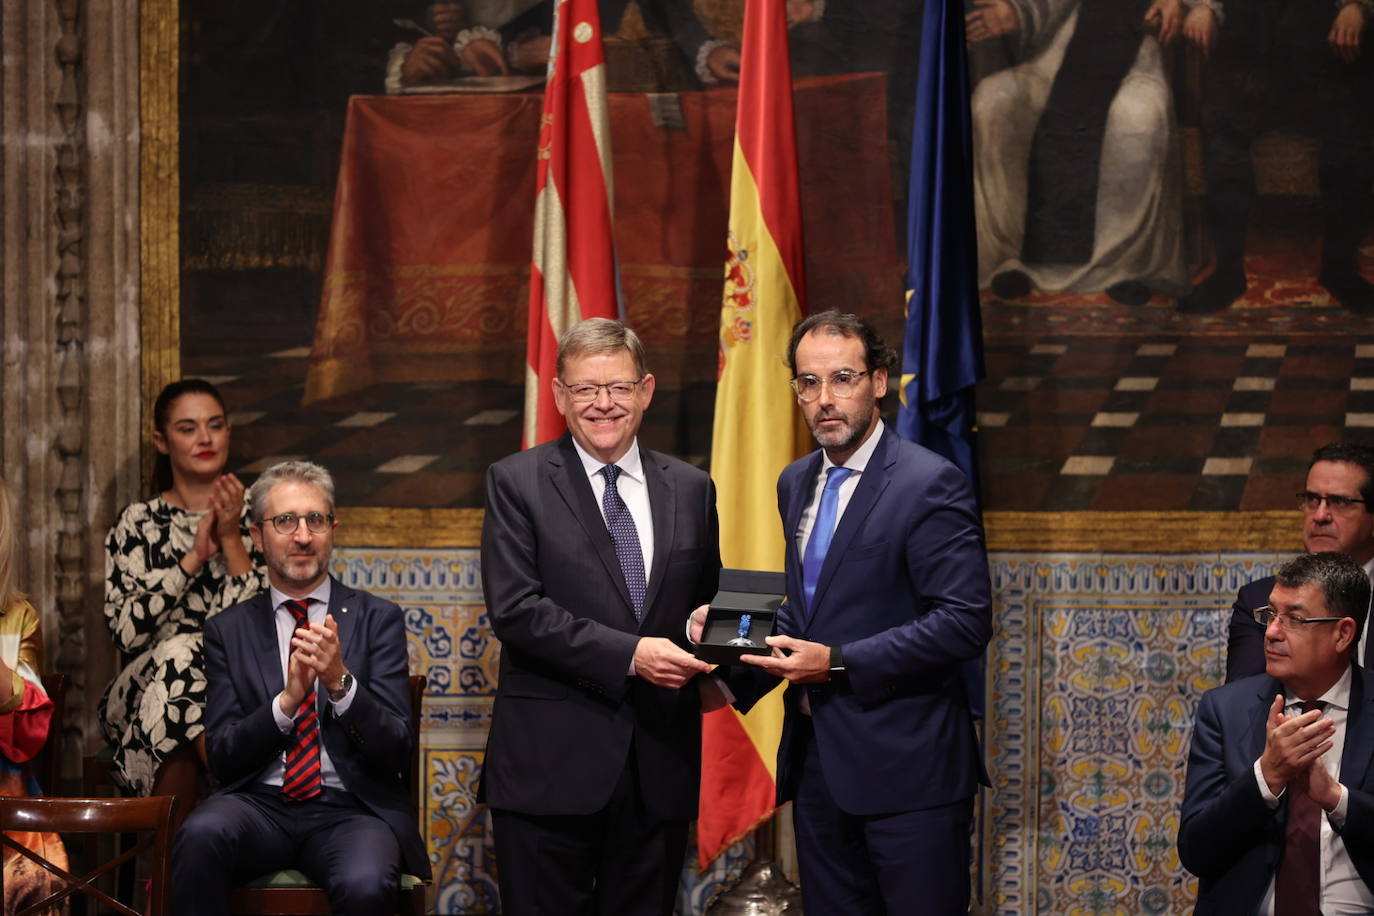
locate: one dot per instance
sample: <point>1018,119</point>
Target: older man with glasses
<point>1338,514</point>
<point>1278,807</point>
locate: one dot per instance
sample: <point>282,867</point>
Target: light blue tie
<point>822,531</point>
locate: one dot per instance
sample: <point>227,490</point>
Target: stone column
<point>69,412</point>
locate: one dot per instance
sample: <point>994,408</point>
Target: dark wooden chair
<point>47,764</point>
<point>149,818</point>
<point>290,893</point>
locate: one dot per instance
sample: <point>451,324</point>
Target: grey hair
<point>600,335</point>
<point>282,472</point>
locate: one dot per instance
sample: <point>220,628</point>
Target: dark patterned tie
<point>626,539</point>
<point>302,777</point>
<point>1297,885</point>
<point>822,531</point>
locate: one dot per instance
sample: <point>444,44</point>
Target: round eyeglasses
<point>289,522</point>
<point>842,384</point>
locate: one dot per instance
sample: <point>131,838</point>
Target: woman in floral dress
<point>172,562</point>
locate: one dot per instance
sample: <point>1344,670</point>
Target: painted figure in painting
<point>1078,180</point>
<point>1291,65</point>
<point>488,38</point>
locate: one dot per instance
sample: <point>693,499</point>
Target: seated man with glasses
<point>307,723</point>
<point>1338,514</point>
<point>1278,807</point>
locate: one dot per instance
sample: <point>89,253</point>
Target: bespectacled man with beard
<point>307,723</point>
<point>887,597</point>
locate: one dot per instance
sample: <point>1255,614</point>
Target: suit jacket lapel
<point>662,500</point>
<point>872,482</point>
<point>797,611</point>
<point>262,639</point>
<point>344,607</point>
<point>1359,737</point>
<point>565,471</point>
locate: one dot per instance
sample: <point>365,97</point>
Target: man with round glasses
<point>307,719</point>
<point>1278,806</point>
<point>888,597</point>
<point>1337,503</point>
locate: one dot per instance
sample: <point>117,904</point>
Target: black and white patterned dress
<point>156,615</point>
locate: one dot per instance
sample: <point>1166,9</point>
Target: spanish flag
<point>758,429</point>
<point>573,268</point>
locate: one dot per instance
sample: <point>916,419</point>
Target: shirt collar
<point>630,464</point>
<point>1338,695</point>
<point>320,594</point>
<point>859,460</point>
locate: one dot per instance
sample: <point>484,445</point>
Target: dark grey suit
<point>570,730</point>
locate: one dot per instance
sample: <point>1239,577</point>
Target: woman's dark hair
<point>162,410</point>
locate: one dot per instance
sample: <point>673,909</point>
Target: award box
<point>742,591</point>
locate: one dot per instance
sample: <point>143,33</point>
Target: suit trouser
<point>870,865</point>
<point>334,839</point>
<point>619,861</point>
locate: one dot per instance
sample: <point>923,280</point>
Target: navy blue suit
<point>368,746</point>
<point>1228,836</point>
<point>904,591</point>
<point>1245,634</point>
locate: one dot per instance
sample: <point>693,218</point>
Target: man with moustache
<point>1338,514</point>
<point>888,596</point>
<point>1278,808</point>
<point>307,723</point>
<point>594,552</point>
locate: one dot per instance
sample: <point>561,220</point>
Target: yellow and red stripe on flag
<point>758,429</point>
<point>572,269</point>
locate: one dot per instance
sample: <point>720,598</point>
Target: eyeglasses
<point>586,392</point>
<point>1312,501</point>
<point>842,385</point>
<point>1264,614</point>
<point>289,522</point>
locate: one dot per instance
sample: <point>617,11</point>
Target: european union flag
<point>942,355</point>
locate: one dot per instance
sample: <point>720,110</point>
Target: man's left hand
<point>808,663</point>
<point>1319,785</point>
<point>318,648</point>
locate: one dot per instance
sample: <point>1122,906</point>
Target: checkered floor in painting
<point>1209,423</point>
<point>1161,421</point>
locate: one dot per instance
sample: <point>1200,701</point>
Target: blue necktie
<point>626,539</point>
<point>822,531</point>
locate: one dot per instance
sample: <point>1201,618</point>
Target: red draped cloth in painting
<point>428,268</point>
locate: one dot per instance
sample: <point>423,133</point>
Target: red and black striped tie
<point>302,777</point>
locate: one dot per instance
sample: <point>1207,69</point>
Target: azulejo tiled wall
<point>1094,673</point>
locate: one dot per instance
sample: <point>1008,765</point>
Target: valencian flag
<point>573,268</point>
<point>758,430</point>
<point>942,354</point>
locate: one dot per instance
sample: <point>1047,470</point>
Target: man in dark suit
<point>1278,809</point>
<point>594,552</point>
<point>1338,514</point>
<point>307,723</point>
<point>878,751</point>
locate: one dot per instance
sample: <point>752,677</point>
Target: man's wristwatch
<point>345,684</point>
<point>837,672</point>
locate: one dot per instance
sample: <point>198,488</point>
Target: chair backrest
<point>413,781</point>
<point>151,816</point>
<point>47,764</point>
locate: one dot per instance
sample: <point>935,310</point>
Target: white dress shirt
<point>1343,891</point>
<point>317,607</point>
